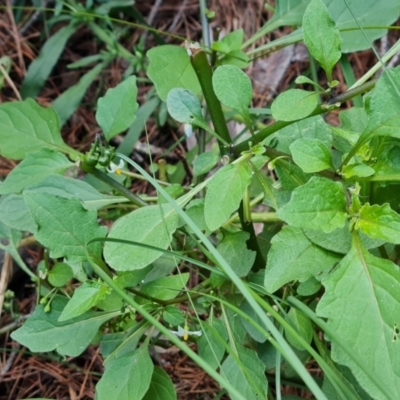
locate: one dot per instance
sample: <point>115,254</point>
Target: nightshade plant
<point>326,260</point>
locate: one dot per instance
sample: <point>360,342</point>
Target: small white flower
<point>116,168</point>
<point>188,128</point>
<point>185,333</point>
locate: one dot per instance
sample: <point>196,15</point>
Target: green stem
<point>204,74</point>
<point>271,129</point>
<point>252,242</point>
<point>114,184</point>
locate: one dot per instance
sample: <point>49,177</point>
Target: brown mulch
<point>26,375</point>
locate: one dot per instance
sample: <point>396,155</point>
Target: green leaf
<point>368,13</point>
<point>294,257</point>
<point>211,343</point>
<point>43,332</point>
<point>116,110</point>
<point>40,68</point>
<point>250,329</point>
<point>9,240</point>
<point>379,222</point>
<point>321,36</point>
<point>173,316</point>
<point>313,127</point>
<point>166,288</point>
<point>362,304</point>
<point>35,167</point>
<point>26,127</point>
<point>233,88</point>
<point>357,170</point>
<point>248,377</point>
<point>232,41</point>
<point>234,250</point>
<point>170,68</point>
<point>302,324</point>
<point>69,188</point>
<point>161,386</point>
<point>60,274</point>
<point>311,155</point>
<point>340,240</point>
<point>320,204</point>
<point>294,104</point>
<point>85,297</point>
<point>153,225</point>
<point>184,106</point>
<point>68,102</point>
<point>64,226</point>
<point>381,107</point>
<point>15,214</point>
<point>290,175</point>
<point>224,193</point>
<point>127,377</point>
<point>204,163</point>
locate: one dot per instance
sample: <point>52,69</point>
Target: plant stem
<point>271,129</point>
<point>204,74</point>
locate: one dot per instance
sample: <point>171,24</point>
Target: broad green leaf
<point>40,68</point>
<point>287,12</point>
<point>233,88</point>
<point>369,13</point>
<point>26,127</point>
<point>204,163</point>
<point>248,377</point>
<point>381,107</point>
<point>308,287</point>
<point>234,250</point>
<point>321,36</point>
<point>69,188</point>
<point>379,222</point>
<point>85,297</point>
<point>170,68</point>
<point>362,304</point>
<point>173,316</point>
<point>294,104</point>
<point>184,106</point>
<point>153,225</point>
<point>224,193</point>
<point>290,175</point>
<point>302,324</point>
<point>15,214</point>
<point>313,128</point>
<point>250,329</point>
<point>359,170</point>
<point>127,377</point>
<point>294,257</point>
<point>43,332</point>
<point>64,226</point>
<point>68,102</point>
<point>9,240</point>
<point>60,274</point>
<point>340,240</point>
<point>161,386</point>
<point>116,110</point>
<point>117,345</point>
<point>320,204</point>
<point>34,168</point>
<point>211,343</point>
<point>311,155</point>
<point>232,41</point>
<point>166,288</point>
<point>195,210</point>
